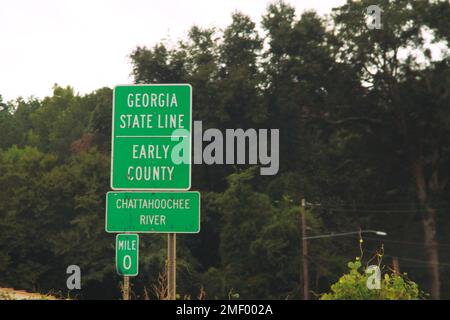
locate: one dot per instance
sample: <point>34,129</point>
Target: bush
<point>353,286</point>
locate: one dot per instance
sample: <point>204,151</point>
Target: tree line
<point>364,124</point>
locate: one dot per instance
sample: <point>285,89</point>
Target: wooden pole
<point>304,252</point>
<point>126,288</point>
<point>396,265</point>
<point>172,265</point>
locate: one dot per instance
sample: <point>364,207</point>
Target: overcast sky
<point>86,43</point>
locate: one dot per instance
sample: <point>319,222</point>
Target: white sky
<point>86,43</point>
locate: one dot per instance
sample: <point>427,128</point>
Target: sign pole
<point>126,288</point>
<point>172,265</point>
<point>127,260</point>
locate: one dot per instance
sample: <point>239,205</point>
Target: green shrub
<point>353,286</point>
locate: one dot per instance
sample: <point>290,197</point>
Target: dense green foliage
<point>353,286</point>
<point>364,123</point>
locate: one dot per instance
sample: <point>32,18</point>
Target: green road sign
<point>151,137</point>
<point>127,254</point>
<point>153,212</point>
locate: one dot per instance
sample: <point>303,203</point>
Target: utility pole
<point>304,251</point>
<point>396,265</point>
<point>172,265</point>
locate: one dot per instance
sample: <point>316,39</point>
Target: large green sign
<point>151,137</point>
<point>127,254</point>
<point>153,212</point>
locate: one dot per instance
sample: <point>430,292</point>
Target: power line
<point>412,259</point>
<point>340,234</point>
<point>403,242</point>
<point>421,261</point>
<point>398,204</point>
<point>356,210</point>
<point>412,265</point>
<point>332,233</point>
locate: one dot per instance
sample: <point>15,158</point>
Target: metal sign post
<point>172,265</point>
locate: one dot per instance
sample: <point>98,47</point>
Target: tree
<point>157,64</point>
<point>100,102</point>
<point>421,131</point>
<point>24,219</point>
<point>9,126</point>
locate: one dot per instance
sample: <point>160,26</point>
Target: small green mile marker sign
<point>127,254</point>
<point>151,137</point>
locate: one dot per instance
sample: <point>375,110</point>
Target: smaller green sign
<point>127,254</point>
<point>153,212</point>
